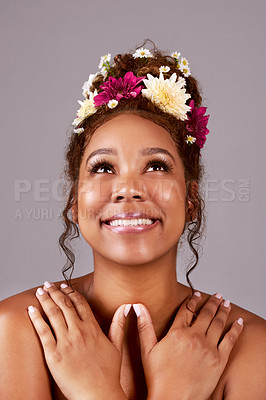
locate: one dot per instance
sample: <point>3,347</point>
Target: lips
<point>129,215</point>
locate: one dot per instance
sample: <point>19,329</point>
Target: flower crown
<point>167,94</point>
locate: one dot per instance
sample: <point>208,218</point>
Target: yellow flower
<point>87,108</point>
<point>168,94</point>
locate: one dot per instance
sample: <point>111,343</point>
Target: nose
<point>128,190</point>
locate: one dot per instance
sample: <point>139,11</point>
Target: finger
<point>117,327</point>
<point>146,331</point>
<point>80,303</point>
<point>64,302</point>
<point>53,312</point>
<point>217,325</point>
<point>44,332</point>
<point>186,311</point>
<point>207,313</point>
<point>229,340</point>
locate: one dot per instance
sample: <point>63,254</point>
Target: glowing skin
<point>133,267</point>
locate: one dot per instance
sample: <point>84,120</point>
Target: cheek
<point>169,192</point>
<point>91,199</point>
<point>170,197</point>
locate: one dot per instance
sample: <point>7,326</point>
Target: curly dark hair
<point>189,154</point>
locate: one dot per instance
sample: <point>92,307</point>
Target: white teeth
<point>131,222</point>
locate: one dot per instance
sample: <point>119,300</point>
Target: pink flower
<point>116,89</point>
<point>197,123</point>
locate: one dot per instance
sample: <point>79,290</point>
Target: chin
<point>130,257</point>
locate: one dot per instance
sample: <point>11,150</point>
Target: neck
<point>153,284</point>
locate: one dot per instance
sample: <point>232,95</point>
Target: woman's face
<point>139,170</point>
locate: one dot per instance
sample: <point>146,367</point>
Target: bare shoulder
<point>23,370</point>
<point>245,374</point>
<point>22,365</point>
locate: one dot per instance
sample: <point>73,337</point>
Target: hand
<point>84,363</point>
<point>188,362</point>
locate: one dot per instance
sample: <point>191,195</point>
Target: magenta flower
<point>116,89</point>
<point>197,123</point>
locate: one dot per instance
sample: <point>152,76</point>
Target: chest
<point>132,379</point>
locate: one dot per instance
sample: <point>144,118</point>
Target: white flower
<point>175,55</point>
<point>87,108</point>
<point>183,62</point>
<point>112,103</point>
<point>78,130</point>
<point>183,66</point>
<point>186,71</point>
<point>167,94</point>
<point>182,81</point>
<point>104,60</point>
<point>164,68</point>
<point>104,71</point>
<point>87,85</point>
<point>190,139</point>
<point>142,53</point>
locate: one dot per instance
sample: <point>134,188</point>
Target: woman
<point>133,170</point>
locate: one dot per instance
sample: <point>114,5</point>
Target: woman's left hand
<point>84,363</point>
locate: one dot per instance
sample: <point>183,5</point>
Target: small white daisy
<point>183,62</point>
<point>164,68</point>
<point>142,53</point>
<point>186,71</point>
<point>112,103</point>
<point>78,130</point>
<point>175,55</point>
<point>104,60</point>
<point>190,139</point>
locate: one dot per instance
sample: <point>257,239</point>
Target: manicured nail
<point>197,294</point>
<point>31,309</point>
<point>240,321</point>
<point>137,309</point>
<point>218,295</point>
<point>127,309</point>
<point>40,291</point>
<point>226,303</point>
<point>48,284</point>
<point>63,285</point>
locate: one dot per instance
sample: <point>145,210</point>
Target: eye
<point>99,164</point>
<point>164,163</point>
<point>104,165</point>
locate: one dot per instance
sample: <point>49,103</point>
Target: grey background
<point>48,49</point>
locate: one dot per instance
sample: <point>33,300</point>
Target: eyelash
<point>95,165</point>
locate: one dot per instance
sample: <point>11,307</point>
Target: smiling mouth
<point>131,222</point>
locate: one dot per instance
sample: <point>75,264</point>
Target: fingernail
<point>198,294</point>
<point>218,295</point>
<point>226,303</point>
<point>31,309</point>
<point>48,284</point>
<point>240,321</point>
<point>63,285</point>
<point>127,309</point>
<point>137,309</point>
<point>40,291</point>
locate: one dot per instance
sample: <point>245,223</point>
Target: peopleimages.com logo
<point>50,193</point>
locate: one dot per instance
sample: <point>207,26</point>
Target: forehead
<point>130,132</point>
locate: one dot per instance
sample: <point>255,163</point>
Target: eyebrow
<point>144,152</point>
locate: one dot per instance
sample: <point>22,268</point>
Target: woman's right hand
<point>188,362</point>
